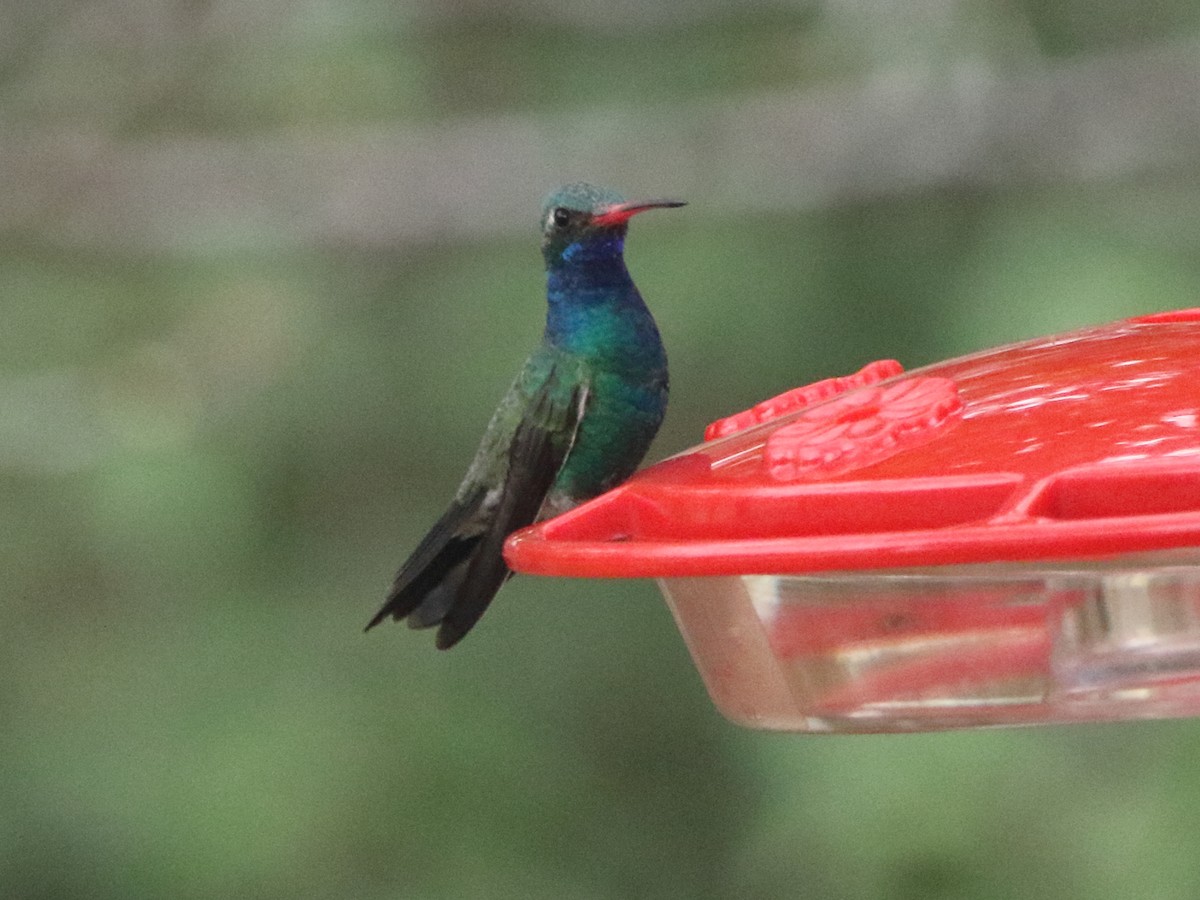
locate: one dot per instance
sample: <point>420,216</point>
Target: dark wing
<point>457,569</point>
<point>536,454</point>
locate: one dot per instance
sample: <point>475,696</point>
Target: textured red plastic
<point>1080,445</point>
<point>861,428</point>
<point>801,397</point>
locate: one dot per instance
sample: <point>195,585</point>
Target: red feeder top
<point>1085,444</point>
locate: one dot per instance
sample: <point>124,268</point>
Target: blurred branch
<point>1108,117</point>
<point>25,29</point>
<point>61,163</point>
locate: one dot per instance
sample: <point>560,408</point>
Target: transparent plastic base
<point>952,647</point>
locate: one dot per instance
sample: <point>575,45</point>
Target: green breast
<point>622,416</point>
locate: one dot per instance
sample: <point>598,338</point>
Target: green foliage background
<point>214,451</point>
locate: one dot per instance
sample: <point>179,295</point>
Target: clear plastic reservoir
<point>914,650</point>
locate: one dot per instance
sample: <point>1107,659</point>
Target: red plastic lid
<point>1085,444</point>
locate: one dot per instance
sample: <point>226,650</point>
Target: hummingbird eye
<point>561,217</point>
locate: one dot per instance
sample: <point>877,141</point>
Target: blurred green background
<point>266,268</point>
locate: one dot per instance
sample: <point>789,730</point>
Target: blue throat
<point>588,292</point>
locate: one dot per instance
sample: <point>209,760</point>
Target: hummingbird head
<point>581,221</point>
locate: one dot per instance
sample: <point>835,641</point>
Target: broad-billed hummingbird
<point>576,422</point>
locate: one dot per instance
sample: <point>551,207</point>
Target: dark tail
<point>440,575</point>
<point>459,566</point>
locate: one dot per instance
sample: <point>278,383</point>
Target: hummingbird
<point>575,423</point>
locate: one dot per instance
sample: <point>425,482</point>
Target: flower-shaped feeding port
<point>802,398</point>
<point>860,428</point>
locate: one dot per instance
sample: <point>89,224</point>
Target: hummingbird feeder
<point>1010,537</point>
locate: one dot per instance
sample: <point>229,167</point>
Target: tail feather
<point>435,604</point>
<point>441,552</point>
<point>416,595</point>
<point>458,567</point>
